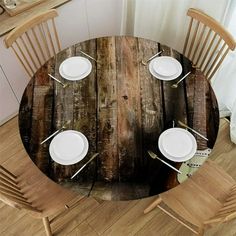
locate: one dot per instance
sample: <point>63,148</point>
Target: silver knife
<point>185,126</point>
<point>55,133</point>
<point>77,172</point>
<point>154,156</point>
<point>154,56</point>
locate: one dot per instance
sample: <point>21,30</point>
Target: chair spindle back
<point>207,42</point>
<point>228,209</point>
<point>35,41</point>
<point>11,193</point>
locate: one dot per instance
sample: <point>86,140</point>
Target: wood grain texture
<point>129,115</point>
<point>122,109</point>
<point>108,162</point>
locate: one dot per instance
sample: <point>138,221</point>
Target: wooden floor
<point>93,217</point>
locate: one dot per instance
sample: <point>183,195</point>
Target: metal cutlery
<point>154,156</point>
<point>149,59</point>
<point>63,85</point>
<point>194,131</point>
<point>173,124</point>
<point>78,171</point>
<point>56,132</point>
<point>176,84</point>
<point>85,54</point>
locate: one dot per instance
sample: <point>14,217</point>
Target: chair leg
<point>201,231</point>
<point>152,205</point>
<point>47,226</point>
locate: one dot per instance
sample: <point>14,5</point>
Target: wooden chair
<point>206,198</point>
<point>35,41</point>
<point>35,193</point>
<point>207,42</point>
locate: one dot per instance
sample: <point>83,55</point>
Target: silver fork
<point>85,54</point>
<point>149,59</point>
<point>176,84</point>
<point>154,156</point>
<point>57,80</point>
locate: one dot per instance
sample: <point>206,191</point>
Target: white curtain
<point>165,21</point>
<point>224,82</point>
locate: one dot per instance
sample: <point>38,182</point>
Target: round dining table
<point>122,109</point>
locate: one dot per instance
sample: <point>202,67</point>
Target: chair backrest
<point>35,41</point>
<point>11,192</point>
<point>207,42</point>
<point>227,211</point>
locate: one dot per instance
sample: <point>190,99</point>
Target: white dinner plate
<point>165,68</point>
<point>75,68</point>
<point>177,144</point>
<point>68,147</point>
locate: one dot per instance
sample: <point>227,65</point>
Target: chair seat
<point>208,187</point>
<point>195,211</point>
<point>214,180</point>
<point>36,186</point>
